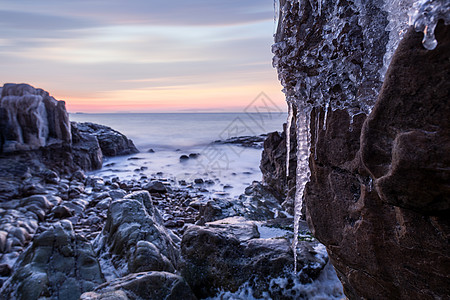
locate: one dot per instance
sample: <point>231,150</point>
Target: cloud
<point>153,12</point>
<point>97,47</point>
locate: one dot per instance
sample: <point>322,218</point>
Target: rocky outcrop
<point>36,127</point>
<point>31,119</point>
<point>150,285</point>
<point>135,238</point>
<point>59,264</point>
<point>245,141</point>
<point>111,142</point>
<point>229,253</point>
<point>379,197</point>
<point>273,166</point>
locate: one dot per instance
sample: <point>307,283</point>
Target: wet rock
<point>19,221</point>
<point>273,167</point>
<point>147,257</point>
<point>149,285</point>
<point>129,221</point>
<point>5,270</point>
<point>245,141</point>
<point>104,204</point>
<point>258,203</point>
<point>217,259</point>
<point>79,176</point>
<point>184,157</point>
<point>241,228</point>
<point>117,194</point>
<point>59,265</point>
<point>112,142</point>
<point>50,176</point>
<point>155,187</point>
<point>210,211</point>
<point>199,181</point>
<point>62,212</point>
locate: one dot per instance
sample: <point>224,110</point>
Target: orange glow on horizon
<point>181,99</point>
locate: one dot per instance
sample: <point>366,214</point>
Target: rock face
<point>379,196</point>
<point>150,285</point>
<point>273,167</point>
<point>31,118</point>
<point>135,238</point>
<point>59,264</point>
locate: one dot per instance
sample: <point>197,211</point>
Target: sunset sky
<point>141,55</point>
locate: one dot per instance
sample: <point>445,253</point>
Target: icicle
<point>276,16</point>
<point>317,133</point>
<point>288,136</point>
<point>324,127</point>
<point>303,172</point>
<point>424,18</point>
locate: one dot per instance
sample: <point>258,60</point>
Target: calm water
<point>185,130</point>
<point>172,135</point>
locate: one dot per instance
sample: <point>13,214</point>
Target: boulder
<point>225,256</point>
<point>112,142</point>
<point>135,238</point>
<point>155,187</point>
<point>59,265</point>
<point>257,203</point>
<point>147,285</point>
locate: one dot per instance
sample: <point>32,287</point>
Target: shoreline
<point>213,229</point>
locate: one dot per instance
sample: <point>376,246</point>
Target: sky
<point>142,55</point>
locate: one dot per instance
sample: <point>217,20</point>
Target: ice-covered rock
<point>378,196</point>
<point>389,180</point>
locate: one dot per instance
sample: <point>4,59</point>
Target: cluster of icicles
<point>423,15</point>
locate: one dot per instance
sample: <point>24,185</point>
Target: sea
<point>162,138</point>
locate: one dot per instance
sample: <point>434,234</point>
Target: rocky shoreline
<point>66,235</point>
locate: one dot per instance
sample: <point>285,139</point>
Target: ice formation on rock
<point>424,17</point>
<point>333,54</point>
<point>326,53</point>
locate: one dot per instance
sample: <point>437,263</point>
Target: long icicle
<point>303,172</point>
<point>288,136</point>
